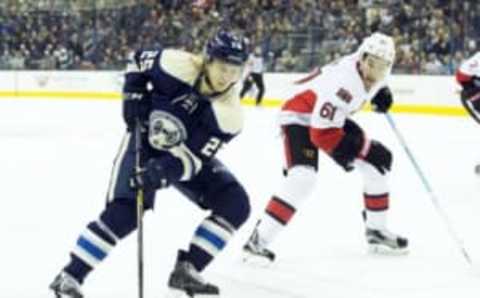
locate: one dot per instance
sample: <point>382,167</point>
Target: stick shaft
<point>140,209</point>
<point>429,190</point>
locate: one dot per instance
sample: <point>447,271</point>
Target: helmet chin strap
<point>366,81</point>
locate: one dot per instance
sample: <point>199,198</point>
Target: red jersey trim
<point>462,78</point>
<point>327,138</point>
<point>312,75</point>
<point>303,102</point>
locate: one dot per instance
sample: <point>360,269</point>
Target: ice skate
<point>382,241</point>
<point>385,242</point>
<point>65,286</point>
<point>255,253</point>
<point>185,281</point>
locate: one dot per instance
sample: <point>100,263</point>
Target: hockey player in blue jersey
<point>189,107</point>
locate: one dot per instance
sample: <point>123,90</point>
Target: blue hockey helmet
<point>228,47</point>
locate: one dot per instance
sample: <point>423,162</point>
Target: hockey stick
<point>429,189</point>
<point>140,210</point>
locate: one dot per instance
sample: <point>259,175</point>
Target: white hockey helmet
<point>377,53</point>
<point>380,45</point>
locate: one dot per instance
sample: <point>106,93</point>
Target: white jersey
<point>331,97</point>
<point>255,64</point>
<point>471,66</point>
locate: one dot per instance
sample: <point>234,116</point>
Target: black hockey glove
<point>135,106</point>
<point>349,147</point>
<point>382,101</point>
<point>380,157</point>
<point>151,177</point>
<point>471,87</point>
<point>472,94</point>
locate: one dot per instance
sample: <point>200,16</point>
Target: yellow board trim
<point>455,111</point>
<point>61,95</point>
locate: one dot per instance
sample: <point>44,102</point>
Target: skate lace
<point>192,271</point>
<point>388,235</point>
<point>255,244</point>
<point>67,282</point>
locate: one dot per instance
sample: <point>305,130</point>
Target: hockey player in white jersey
<point>319,118</point>
<point>468,76</point>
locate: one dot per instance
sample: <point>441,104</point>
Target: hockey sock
<point>296,187</point>
<point>277,215</point>
<point>376,207</point>
<point>376,197</point>
<point>100,237</point>
<point>209,239</point>
<point>93,245</point>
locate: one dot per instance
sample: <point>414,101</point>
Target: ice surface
<point>55,164</point>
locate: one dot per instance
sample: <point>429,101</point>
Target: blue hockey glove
<point>135,106</point>
<point>151,177</point>
<point>382,101</point>
<point>158,173</point>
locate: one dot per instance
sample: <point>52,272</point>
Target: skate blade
<point>60,295</point>
<point>379,249</point>
<point>174,293</point>
<point>256,261</point>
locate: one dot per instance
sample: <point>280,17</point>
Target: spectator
<point>82,35</point>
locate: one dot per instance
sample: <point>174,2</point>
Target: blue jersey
<point>172,80</point>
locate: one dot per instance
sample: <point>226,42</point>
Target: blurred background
<point>432,36</point>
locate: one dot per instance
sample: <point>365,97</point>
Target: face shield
<point>223,74</point>
<point>374,68</point>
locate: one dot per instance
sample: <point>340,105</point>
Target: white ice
<point>56,156</point>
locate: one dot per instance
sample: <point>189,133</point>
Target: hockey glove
<point>379,156</point>
<point>382,101</point>
<point>472,94</point>
<point>471,86</point>
<point>135,106</point>
<point>151,177</point>
<point>348,148</point>
<point>158,173</point>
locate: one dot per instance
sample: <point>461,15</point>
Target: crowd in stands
<point>432,36</point>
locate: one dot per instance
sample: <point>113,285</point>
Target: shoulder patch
<point>344,95</point>
<point>182,65</point>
